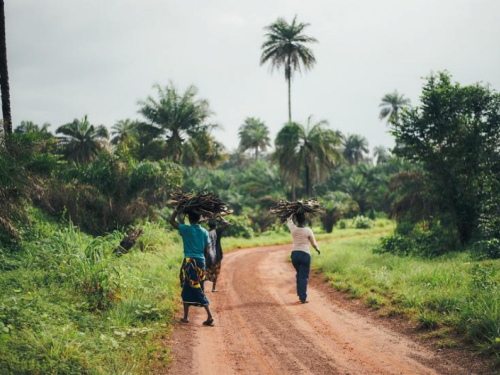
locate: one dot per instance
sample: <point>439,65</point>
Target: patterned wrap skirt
<point>192,277</point>
<point>213,272</point>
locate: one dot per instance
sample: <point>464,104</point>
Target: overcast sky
<point>68,58</point>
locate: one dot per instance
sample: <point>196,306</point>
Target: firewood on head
<point>205,203</point>
<point>284,209</point>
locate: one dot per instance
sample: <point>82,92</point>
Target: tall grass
<point>450,291</point>
<point>71,307</point>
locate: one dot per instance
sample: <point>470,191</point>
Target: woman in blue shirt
<point>196,241</point>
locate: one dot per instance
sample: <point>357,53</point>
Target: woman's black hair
<point>300,217</point>
<point>194,217</point>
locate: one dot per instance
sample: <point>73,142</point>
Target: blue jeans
<point>302,263</point>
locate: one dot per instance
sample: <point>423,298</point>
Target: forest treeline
<point>440,182</point>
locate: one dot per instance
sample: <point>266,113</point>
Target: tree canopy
<point>176,117</point>
<point>254,134</point>
<point>455,134</point>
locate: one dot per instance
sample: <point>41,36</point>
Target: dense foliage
<point>455,137</point>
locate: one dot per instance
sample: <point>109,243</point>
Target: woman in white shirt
<point>301,255</point>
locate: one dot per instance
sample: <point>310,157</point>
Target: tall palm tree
<point>311,149</point>
<point>81,140</point>
<point>285,47</point>
<point>176,116</point>
<point>254,134</point>
<point>4,75</point>
<point>391,105</point>
<point>382,154</point>
<point>355,148</point>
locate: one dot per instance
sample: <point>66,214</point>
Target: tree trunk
<point>308,180</point>
<point>4,75</point>
<point>256,153</point>
<point>288,76</point>
<point>289,99</point>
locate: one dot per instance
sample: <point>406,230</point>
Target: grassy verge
<point>447,294</point>
<point>282,236</point>
<point>69,306</point>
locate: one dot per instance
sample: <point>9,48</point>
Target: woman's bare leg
<point>209,313</point>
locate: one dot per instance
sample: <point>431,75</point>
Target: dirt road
<point>262,329</point>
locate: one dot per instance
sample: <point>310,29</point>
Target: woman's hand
<point>319,252</point>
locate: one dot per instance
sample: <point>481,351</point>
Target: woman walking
<point>192,276</point>
<point>215,255</point>
<point>301,255</point>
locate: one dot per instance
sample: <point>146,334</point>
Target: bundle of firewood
<point>284,209</point>
<point>204,203</point>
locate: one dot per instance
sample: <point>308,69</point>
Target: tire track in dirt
<point>262,329</point>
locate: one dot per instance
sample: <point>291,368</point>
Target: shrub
<point>427,240</point>
<point>361,222</point>
<point>109,194</point>
<point>241,226</point>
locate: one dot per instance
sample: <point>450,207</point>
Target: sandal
<point>209,322</point>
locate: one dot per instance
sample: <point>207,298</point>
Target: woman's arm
<point>172,221</point>
<point>313,242</point>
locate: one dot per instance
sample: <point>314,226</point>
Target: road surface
<point>261,328</point>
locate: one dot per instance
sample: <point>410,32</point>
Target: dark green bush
<point>240,226</point>
<point>429,241</point>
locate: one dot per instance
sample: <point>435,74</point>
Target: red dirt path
<point>262,329</point>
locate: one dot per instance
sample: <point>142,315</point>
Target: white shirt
<point>301,237</point>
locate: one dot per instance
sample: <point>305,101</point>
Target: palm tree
<point>336,205</point>
<point>123,130</point>
<point>284,47</point>
<point>382,154</point>
<point>30,127</point>
<point>81,140</point>
<point>176,116</point>
<point>355,146</point>
<point>203,149</point>
<point>254,134</point>
<point>4,75</point>
<point>358,188</point>
<point>391,105</point>
<point>312,149</point>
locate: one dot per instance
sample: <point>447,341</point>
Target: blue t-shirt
<point>195,239</point>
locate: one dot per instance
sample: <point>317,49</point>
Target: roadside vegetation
<point>450,296</point>
<point>68,305</point>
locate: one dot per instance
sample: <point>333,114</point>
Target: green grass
<point>68,306</point>
<point>282,236</point>
<point>450,291</point>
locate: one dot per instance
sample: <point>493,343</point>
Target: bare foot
<point>184,320</point>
